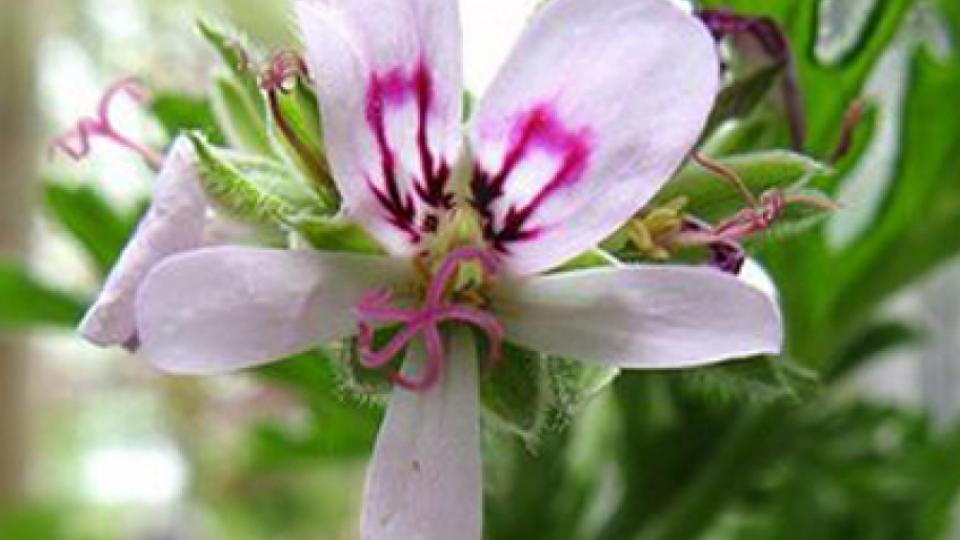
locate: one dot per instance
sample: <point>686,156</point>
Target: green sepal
<point>239,115</point>
<point>594,258</point>
<point>763,379</point>
<point>234,50</point>
<point>572,385</point>
<point>516,393</point>
<point>528,393</point>
<point>711,198</point>
<point>335,234</point>
<point>253,189</point>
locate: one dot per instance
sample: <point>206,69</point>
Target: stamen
<point>375,308</point>
<point>76,142</point>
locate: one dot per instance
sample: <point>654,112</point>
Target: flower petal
<point>389,84</point>
<point>224,308</point>
<point>424,482</point>
<point>175,222</point>
<point>641,316</point>
<point>593,112</point>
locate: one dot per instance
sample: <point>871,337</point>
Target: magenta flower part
<point>374,308</point>
<point>76,142</point>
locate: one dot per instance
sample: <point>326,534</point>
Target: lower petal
<point>224,308</point>
<point>175,222</point>
<point>425,480</point>
<point>641,316</point>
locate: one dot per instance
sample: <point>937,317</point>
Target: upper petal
<point>425,480</point>
<point>224,308</point>
<point>175,222</point>
<point>641,316</point>
<point>389,83</point>
<point>597,106</point>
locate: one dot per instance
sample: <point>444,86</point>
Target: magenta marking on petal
<point>539,129</point>
<point>426,320</point>
<point>396,88</point>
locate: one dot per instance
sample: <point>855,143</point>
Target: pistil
<point>438,307</point>
<point>76,142</point>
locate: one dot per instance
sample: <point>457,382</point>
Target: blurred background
<point>857,438</point>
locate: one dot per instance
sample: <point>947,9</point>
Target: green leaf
<point>252,189</point>
<point>711,198</point>
<point>26,302</point>
<point>740,98</point>
<point>177,113</point>
<point>83,212</point>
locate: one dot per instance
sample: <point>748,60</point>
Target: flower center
<point>440,305</point>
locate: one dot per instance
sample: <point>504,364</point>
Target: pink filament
<point>375,308</point>
<point>76,142</point>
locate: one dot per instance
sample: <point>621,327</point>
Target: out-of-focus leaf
<point>872,340</point>
<point>711,198</point>
<point>83,212</point>
<point>178,113</point>
<point>741,97</point>
<point>336,427</point>
<point>26,302</point>
<point>765,379</point>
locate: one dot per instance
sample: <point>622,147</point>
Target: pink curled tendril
<point>76,141</point>
<point>375,308</point>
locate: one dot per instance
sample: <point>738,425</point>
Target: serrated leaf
<point>83,212</point>
<point>711,199</point>
<point>252,189</point>
<point>26,302</point>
